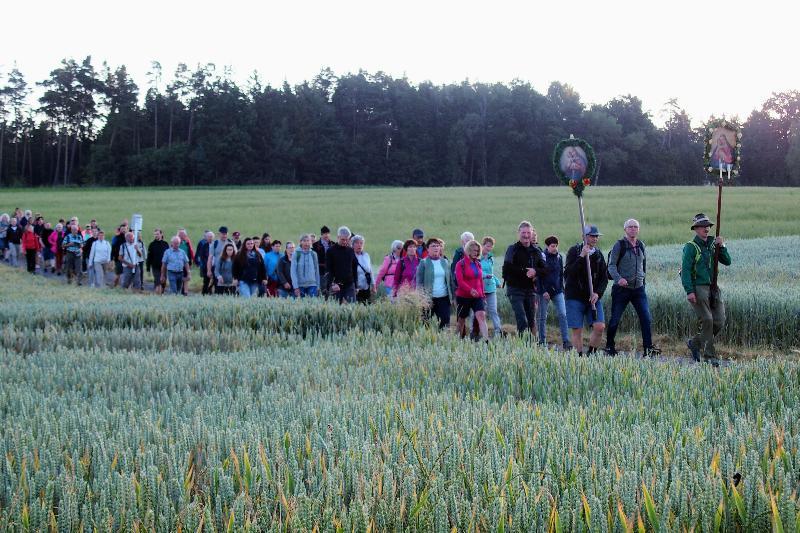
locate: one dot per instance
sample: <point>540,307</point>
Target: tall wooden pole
<point>588,262</point>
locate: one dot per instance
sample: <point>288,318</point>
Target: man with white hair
<point>341,265</point>
<point>174,266</point>
<point>627,265</point>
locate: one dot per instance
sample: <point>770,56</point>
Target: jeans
<point>72,267</point>
<point>14,251</point>
<point>310,292</point>
<point>99,275</point>
<point>248,289</point>
<point>491,312</point>
<point>345,294</point>
<point>175,280</point>
<point>541,319</point>
<point>130,277</point>
<point>441,308</point>
<point>522,304</point>
<point>620,297</point>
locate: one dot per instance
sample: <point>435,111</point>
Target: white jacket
<point>100,253</point>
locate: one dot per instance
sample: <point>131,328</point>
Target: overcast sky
<point>715,57</point>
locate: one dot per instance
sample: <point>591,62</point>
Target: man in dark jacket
<point>155,254</point>
<point>321,248</point>
<point>201,259</point>
<point>579,300</point>
<point>550,289</point>
<point>523,262</point>
<point>341,265</point>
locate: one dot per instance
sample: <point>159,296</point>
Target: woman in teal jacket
<point>490,283</point>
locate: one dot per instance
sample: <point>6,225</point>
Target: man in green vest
<point>696,273</point>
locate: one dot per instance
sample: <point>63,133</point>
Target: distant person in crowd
<point>418,236</point>
<point>236,238</point>
<point>73,251</point>
<point>201,260</point>
<point>175,266</point>
<point>469,290</point>
<point>627,267</point>
<point>433,277</point>
<point>550,289</point>
<point>522,264</point>
<point>342,266</point>
<point>88,239</point>
<point>48,256</point>
<point>223,269</point>
<point>14,240</point>
<point>215,250</point>
<point>365,287</point>
<point>304,270</point>
<point>248,268</point>
<point>405,274</point>
<point>579,299</point>
<point>4,224</point>
<point>265,243</point>
<point>131,255</point>
<point>117,241</point>
<point>696,276</point>
<point>31,245</point>
<point>284,272</point>
<point>490,284</point>
<point>388,268</point>
<point>186,246</point>
<point>155,254</point>
<point>458,254</point>
<point>25,219</point>
<point>99,259</point>
<point>321,248</point>
<point>271,259</point>
<point>55,240</point>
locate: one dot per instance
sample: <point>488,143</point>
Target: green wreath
<point>708,150</point>
<point>579,184</point>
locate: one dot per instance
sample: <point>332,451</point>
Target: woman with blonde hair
<point>469,289</point>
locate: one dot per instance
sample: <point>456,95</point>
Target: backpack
<point>623,249</point>
<point>697,255</point>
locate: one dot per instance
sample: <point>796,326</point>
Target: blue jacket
<point>552,281</point>
<point>271,259</point>
<point>490,281</point>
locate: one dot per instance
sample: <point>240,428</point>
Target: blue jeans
<point>310,292</point>
<point>541,320</point>
<point>283,293</point>
<point>620,298</point>
<point>522,304</point>
<point>491,312</point>
<point>175,280</point>
<point>248,289</point>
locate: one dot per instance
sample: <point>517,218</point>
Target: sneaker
<point>652,352</point>
<point>694,350</point>
<point>611,351</point>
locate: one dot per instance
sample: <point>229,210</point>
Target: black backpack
<point>623,249</point>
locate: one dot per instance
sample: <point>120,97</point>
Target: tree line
<point>200,127</point>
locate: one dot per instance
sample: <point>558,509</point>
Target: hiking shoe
<point>611,351</point>
<point>694,350</point>
<point>652,352</point>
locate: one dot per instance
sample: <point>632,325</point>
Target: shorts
<point>580,313</point>
<point>465,305</point>
<point>156,271</point>
<point>117,267</point>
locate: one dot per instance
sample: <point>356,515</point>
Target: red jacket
<point>30,241</point>
<point>469,275</point>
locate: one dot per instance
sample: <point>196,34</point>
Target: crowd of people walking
<point>339,268</point>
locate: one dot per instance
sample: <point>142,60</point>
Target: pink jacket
<point>55,239</point>
<point>387,270</point>
<point>406,273</point>
<point>469,275</point>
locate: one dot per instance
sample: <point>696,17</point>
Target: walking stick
<point>715,271</point>
<point>588,262</point>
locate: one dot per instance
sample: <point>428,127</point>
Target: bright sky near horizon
<point>715,57</point>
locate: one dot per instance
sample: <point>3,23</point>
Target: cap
<point>236,233</point>
<point>223,229</point>
<point>417,233</point>
<point>324,229</point>
<point>591,231</point>
<point>701,220</point>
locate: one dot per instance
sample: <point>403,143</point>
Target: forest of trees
<point>199,127</point>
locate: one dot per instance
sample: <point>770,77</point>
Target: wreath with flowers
<point>577,184</point>
<point>712,126</point>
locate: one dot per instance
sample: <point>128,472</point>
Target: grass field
<point>125,412</point>
<point>122,412</point>
<point>385,214</point>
